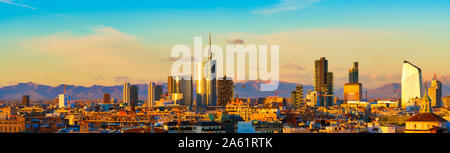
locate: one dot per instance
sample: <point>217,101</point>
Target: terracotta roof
<point>426,117</point>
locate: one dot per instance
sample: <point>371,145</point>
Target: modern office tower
<point>224,90</point>
<point>200,91</point>
<point>412,86</point>
<point>133,97</point>
<point>151,95</point>
<point>435,92</point>
<point>185,87</point>
<point>126,92</point>
<point>26,100</point>
<point>353,74</point>
<point>171,85</point>
<point>206,84</point>
<point>297,97</point>
<point>353,89</point>
<point>107,98</point>
<point>323,83</point>
<point>63,100</point>
<point>158,92</point>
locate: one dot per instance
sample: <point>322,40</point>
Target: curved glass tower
<point>412,86</point>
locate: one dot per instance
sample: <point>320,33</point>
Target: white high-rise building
<point>412,86</point>
<point>126,92</point>
<point>62,100</point>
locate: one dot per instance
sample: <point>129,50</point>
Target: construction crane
<point>64,90</point>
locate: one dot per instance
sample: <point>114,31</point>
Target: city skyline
<point>68,44</point>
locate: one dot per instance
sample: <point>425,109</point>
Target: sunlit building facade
<point>412,86</point>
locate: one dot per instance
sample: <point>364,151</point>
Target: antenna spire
<point>210,53</point>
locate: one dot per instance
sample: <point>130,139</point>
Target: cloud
<point>121,78</point>
<point>182,59</point>
<point>11,2</point>
<point>236,41</point>
<point>103,46</point>
<point>293,66</point>
<point>287,5</point>
<point>102,51</point>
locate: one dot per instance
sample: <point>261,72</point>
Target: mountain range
<point>248,89</point>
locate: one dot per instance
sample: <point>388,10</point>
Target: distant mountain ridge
<point>248,89</point>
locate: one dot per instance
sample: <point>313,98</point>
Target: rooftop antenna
<point>210,53</point>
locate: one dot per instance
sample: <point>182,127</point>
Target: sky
<point>107,42</point>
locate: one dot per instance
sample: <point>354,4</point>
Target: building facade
<point>411,85</point>
<point>323,83</point>
<point>225,91</point>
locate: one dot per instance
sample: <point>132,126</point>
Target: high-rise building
<point>435,92</point>
<point>158,92</point>
<point>206,84</point>
<point>26,100</point>
<point>353,74</point>
<point>107,98</point>
<point>126,92</point>
<point>133,97</point>
<point>151,95</point>
<point>224,90</point>
<point>171,85</point>
<point>353,89</point>
<point>185,87</point>
<point>297,97</point>
<point>412,87</point>
<point>323,83</point>
<point>63,100</point>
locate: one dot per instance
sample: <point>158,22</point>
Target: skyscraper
<point>185,88</point>
<point>224,90</point>
<point>171,85</point>
<point>158,92</point>
<point>323,83</point>
<point>353,89</point>
<point>435,92</point>
<point>151,94</point>
<point>107,98</point>
<point>412,86</point>
<point>133,97</point>
<point>206,85</point>
<point>353,74</point>
<point>126,92</point>
<point>26,100</point>
<point>297,97</point>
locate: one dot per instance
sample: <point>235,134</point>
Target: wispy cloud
<point>287,5</point>
<point>11,2</point>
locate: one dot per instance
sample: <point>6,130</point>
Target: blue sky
<point>395,30</point>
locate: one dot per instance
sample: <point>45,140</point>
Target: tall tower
<point>353,89</point>
<point>412,87</point>
<point>206,85</point>
<point>185,88</point>
<point>353,74</point>
<point>26,100</point>
<point>158,92</point>
<point>435,92</point>
<point>126,92</point>
<point>297,97</point>
<point>224,90</point>
<point>323,83</point>
<point>151,94</point>
<point>171,85</point>
<point>133,97</point>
